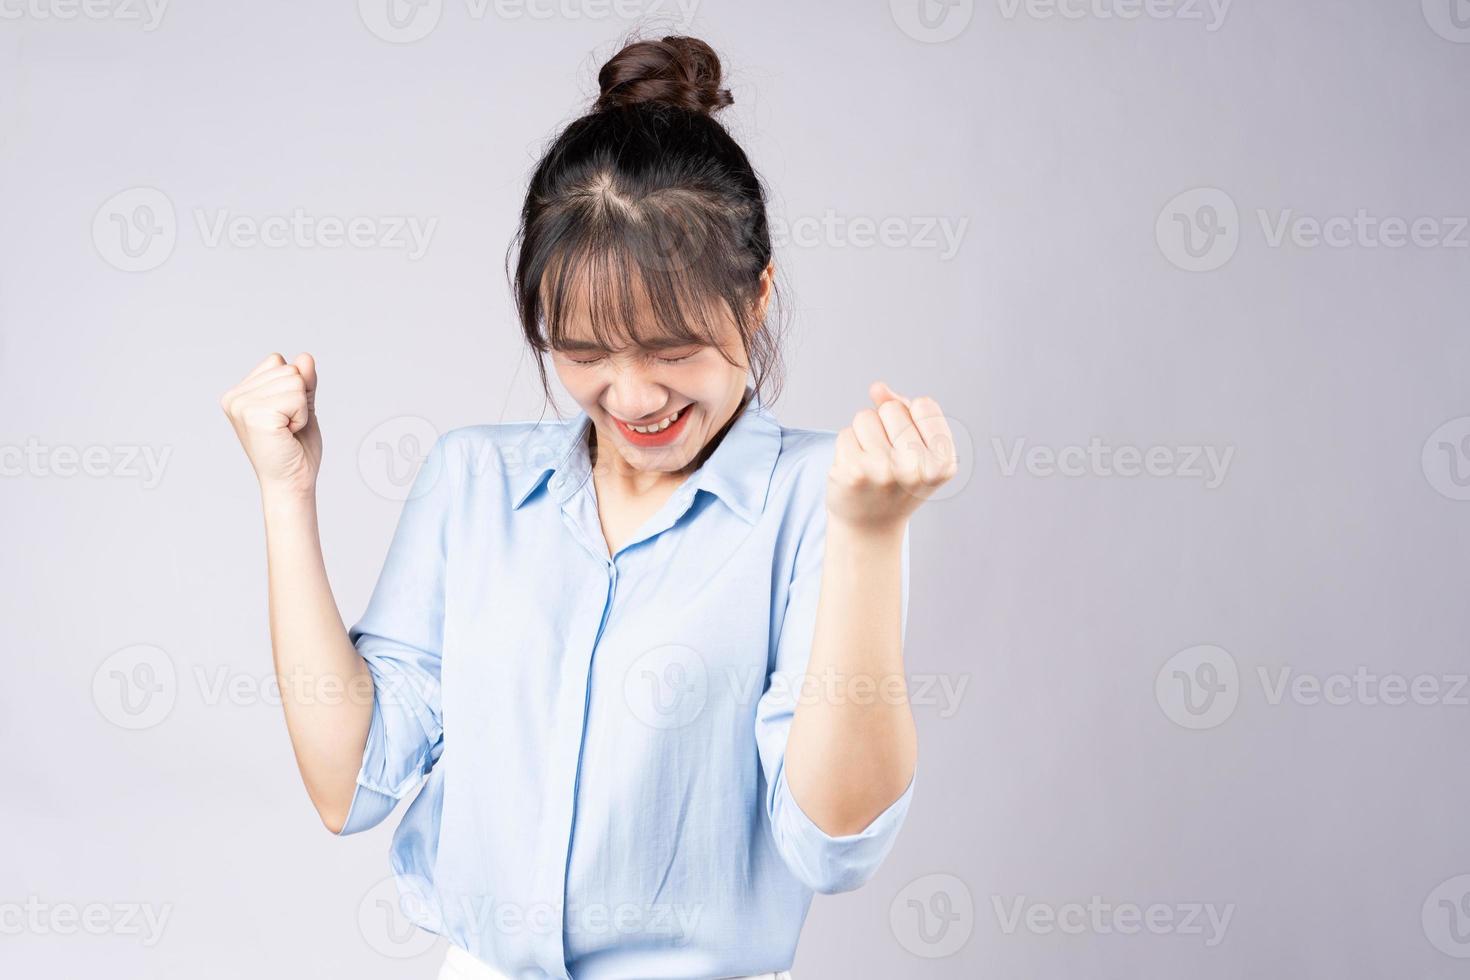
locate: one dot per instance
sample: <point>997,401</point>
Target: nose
<point>635,397</point>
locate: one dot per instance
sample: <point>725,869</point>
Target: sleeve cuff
<point>829,864</point>
<point>372,800</point>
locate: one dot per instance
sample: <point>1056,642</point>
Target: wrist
<point>275,499</point>
<point>866,534</point>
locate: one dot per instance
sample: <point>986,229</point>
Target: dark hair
<point>647,193</point>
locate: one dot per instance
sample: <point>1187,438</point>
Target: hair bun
<point>677,71</point>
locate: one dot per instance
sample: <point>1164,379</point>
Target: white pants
<point>460,965</point>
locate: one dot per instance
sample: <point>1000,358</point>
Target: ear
<point>767,286</point>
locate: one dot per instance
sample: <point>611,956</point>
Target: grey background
<point>1336,540</point>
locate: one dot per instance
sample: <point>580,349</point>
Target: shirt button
<point>556,481</point>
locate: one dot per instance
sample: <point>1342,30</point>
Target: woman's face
<point>690,384</point>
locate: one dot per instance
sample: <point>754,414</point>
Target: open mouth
<point>660,433</point>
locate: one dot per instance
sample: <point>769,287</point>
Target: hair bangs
<point>647,280</point>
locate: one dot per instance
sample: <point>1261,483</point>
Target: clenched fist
<point>891,459</point>
<point>273,411</point>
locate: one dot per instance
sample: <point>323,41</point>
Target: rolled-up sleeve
<point>400,636</point>
<point>824,863</point>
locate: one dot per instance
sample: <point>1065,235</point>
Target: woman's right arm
<point>326,686</point>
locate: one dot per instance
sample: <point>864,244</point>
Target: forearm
<point>326,687</point>
<point>852,747</point>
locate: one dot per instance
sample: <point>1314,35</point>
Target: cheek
<point>577,378</point>
<point>706,378</point>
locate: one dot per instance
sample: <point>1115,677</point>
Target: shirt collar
<point>738,471</point>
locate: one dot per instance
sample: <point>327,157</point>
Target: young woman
<point>650,659</point>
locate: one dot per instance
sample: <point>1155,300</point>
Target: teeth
<point>647,429</point>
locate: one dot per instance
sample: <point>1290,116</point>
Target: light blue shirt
<point>603,736</point>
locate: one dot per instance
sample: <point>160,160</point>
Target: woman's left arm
<point>852,750</point>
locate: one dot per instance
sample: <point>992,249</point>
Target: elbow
<point>334,809</point>
<point>334,822</point>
